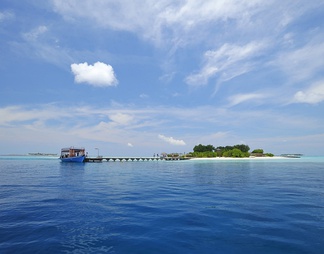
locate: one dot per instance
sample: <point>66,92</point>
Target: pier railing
<point>107,159</point>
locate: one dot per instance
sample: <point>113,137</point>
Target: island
<point>210,151</point>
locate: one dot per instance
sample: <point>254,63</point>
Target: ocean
<point>234,206</point>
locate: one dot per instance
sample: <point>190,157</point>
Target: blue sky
<point>144,77</point>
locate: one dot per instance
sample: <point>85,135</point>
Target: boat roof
<point>72,148</point>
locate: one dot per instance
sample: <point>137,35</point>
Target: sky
<point>137,78</point>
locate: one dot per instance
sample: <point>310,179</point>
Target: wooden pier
<point>113,159</point>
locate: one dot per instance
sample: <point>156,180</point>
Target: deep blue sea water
<point>239,206</point>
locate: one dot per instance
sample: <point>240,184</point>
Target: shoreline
<point>245,158</point>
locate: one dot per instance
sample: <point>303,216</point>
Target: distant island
<point>42,154</point>
<point>236,151</point>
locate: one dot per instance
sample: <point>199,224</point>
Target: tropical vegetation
<point>236,151</point>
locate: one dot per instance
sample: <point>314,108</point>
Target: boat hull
<point>73,159</point>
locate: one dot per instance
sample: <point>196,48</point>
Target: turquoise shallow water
<point>238,206</point>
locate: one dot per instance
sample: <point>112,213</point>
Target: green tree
<point>243,148</point>
<point>227,153</point>
<point>210,148</point>
<point>237,153</point>
<point>202,148</point>
<point>198,148</point>
<point>257,151</point>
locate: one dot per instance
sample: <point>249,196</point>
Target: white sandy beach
<point>245,158</point>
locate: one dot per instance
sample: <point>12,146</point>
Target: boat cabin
<point>72,152</point>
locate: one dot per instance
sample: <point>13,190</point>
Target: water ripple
<point>161,207</point>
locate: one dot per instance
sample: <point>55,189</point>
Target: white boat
<point>292,155</point>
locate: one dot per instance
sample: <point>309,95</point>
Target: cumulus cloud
<point>172,141</point>
<point>99,74</point>
<point>313,95</point>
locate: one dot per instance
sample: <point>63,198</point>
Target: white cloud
<point>170,21</point>
<point>121,118</point>
<point>302,63</point>
<point>144,96</point>
<point>12,115</point>
<point>312,95</point>
<point>228,61</point>
<point>35,33</point>
<point>41,42</point>
<point>121,15</point>
<point>99,74</point>
<point>6,15</point>
<point>240,98</point>
<point>173,25</point>
<point>54,124</point>
<point>130,145</point>
<point>160,22</point>
<point>172,141</point>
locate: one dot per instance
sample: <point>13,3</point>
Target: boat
<point>72,154</point>
<point>292,155</point>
